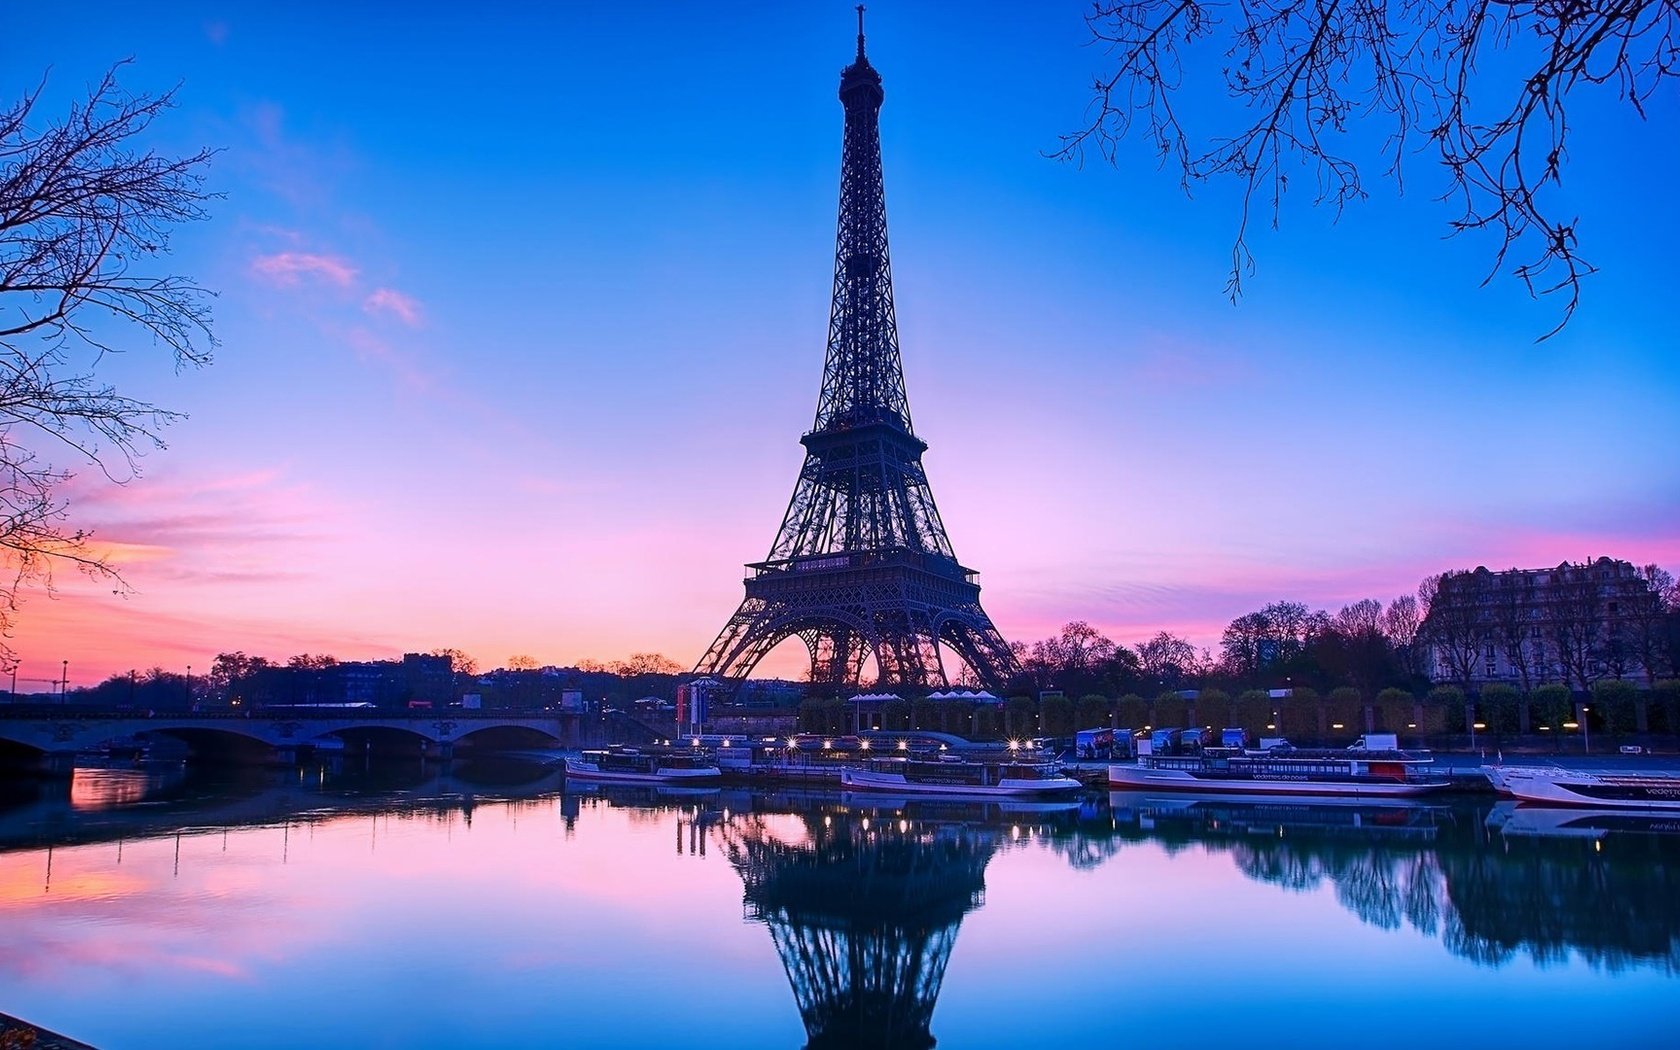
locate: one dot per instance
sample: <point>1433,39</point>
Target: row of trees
<point>1575,625</point>
<point>442,675</point>
<point>1366,645</point>
<point>1304,715</point>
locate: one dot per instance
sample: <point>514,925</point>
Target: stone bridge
<point>56,736</point>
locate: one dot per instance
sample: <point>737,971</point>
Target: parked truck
<point>1376,742</point>
<point>1093,743</point>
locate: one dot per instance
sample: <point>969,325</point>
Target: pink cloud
<point>389,300</point>
<point>289,268</point>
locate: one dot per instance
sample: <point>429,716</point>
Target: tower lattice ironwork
<point>861,565</point>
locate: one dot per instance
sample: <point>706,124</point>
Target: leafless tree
<point>1485,85</point>
<point>1361,619</point>
<point>85,216</point>
<point>1082,647</point>
<point>1647,619</point>
<point>1400,626</point>
<point>1573,624</point>
<point>1167,658</point>
<point>1454,622</point>
<point>1515,628</point>
<point>459,662</point>
<point>648,663</point>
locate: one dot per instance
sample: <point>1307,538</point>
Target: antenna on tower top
<point>860,30</point>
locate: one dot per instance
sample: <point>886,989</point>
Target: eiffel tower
<point>861,565</point>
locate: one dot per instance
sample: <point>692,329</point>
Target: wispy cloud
<point>289,268</point>
<point>388,300</point>
<point>371,347</point>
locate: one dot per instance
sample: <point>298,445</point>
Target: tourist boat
<point>1226,771</point>
<point>946,774</point>
<point>801,759</point>
<point>1553,785</point>
<point>643,765</point>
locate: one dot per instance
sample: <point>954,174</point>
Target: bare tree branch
<point>83,212</point>
<point>1309,72</point>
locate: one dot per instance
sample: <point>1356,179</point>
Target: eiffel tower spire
<point>862,565</point>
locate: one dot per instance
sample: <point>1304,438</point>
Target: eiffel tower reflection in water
<point>864,911</point>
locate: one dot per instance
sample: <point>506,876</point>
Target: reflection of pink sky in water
<point>432,928</point>
<point>508,892</point>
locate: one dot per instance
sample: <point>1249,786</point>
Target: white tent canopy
<point>980,697</point>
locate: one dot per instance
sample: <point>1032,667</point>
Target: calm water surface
<point>487,908</point>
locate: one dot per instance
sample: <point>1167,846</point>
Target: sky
<point>522,314</point>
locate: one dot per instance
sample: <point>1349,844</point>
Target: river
<point>486,907</point>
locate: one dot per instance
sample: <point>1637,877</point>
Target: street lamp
<point>1473,727</point>
<point>1586,731</point>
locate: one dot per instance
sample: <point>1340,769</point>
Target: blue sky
<point>523,313</point>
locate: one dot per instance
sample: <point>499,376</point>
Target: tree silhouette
<point>85,213</point>
<point>1485,85</point>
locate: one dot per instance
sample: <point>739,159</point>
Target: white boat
<point>630,765</point>
<point>1355,774</point>
<point>1647,789</point>
<point>953,775</point>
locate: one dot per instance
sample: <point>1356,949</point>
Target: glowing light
<point>1337,725</point>
<point>1572,725</point>
<point>1481,725</point>
<point>1014,745</point>
<point>864,745</point>
<point>793,745</point>
<point>827,744</point>
<point>904,745</point>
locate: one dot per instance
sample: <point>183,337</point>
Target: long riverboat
<point>1296,771</point>
<point>633,765</point>
<point>1552,785</point>
<point>817,759</point>
<point>947,774</point>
